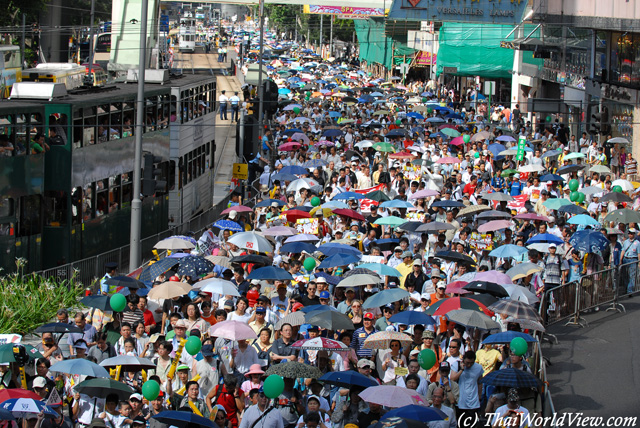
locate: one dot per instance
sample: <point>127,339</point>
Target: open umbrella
<point>455,287</point>
<point>169,290</point>
<point>494,215</point>
<point>515,309</point>
<point>175,243</point>
<point>412,318</point>
<point>339,260</point>
<point>294,319</point>
<point>98,302</point>
<point>472,319</point>
<point>25,407</point>
<point>507,337</point>
<point>518,292</point>
<point>381,269</point>
<point>358,280</point>
<point>572,209</point>
<point>417,413</point>
<point>294,370</point>
<point>6,353</point>
<point>183,419</point>
<point>220,261</point>
<point>7,394</point>
<point>100,388</point>
<point>251,258</point>
<point>154,270</point>
<point>128,363</point>
<point>232,330</point>
<point>494,225</point>
<point>615,197</point>
<point>195,266</point>
<point>295,215</point>
<point>589,241</point>
<point>392,396</point>
<point>272,273</point>
<point>547,238</point>
<point>523,269</point>
<point>434,227</point>
<point>280,231</point>
<point>303,237</point>
<point>377,196</point>
<point>497,196</point>
<point>348,195</point>
<point>623,215</point>
<point>228,225</point>
<point>331,320</point>
<point>486,287</point>
<point>338,248</point>
<point>297,248</point>
<point>320,344</point>
<point>58,327</point>
<point>251,241</point>
<point>383,339</point>
<point>124,281</point>
<point>384,297</point>
<point>349,214</point>
<point>472,210</point>
<point>80,367</point>
<point>454,256</point>
<point>238,209</point>
<point>510,377</point>
<point>584,220</point>
<point>441,307</point>
<point>218,286</point>
<point>508,251</point>
<point>348,379</point>
<point>390,221</point>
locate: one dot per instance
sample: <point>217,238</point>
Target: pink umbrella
<point>447,125</point>
<point>324,143</point>
<point>531,216</point>
<point>232,330</point>
<point>494,225</point>
<point>424,194</point>
<point>319,344</point>
<point>392,396</point>
<point>458,141</point>
<point>238,209</point>
<point>448,159</point>
<point>493,276</point>
<point>280,231</point>
<point>456,287</point>
<point>299,136</point>
<point>289,147</point>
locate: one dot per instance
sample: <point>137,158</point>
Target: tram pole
<point>260,88</point>
<point>136,204</point>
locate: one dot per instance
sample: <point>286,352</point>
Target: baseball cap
<point>180,367</point>
<point>138,397</point>
<point>233,214</point>
<point>255,282</point>
<point>445,366</point>
<point>417,262</point>
<point>261,310</point>
<point>425,296</point>
<point>407,254</point>
<point>139,420</point>
<point>228,304</point>
<point>428,334</point>
<point>393,284</point>
<point>368,316</point>
<point>324,295</point>
<point>321,280</point>
<point>390,306</point>
<point>39,382</point>
<point>441,284</point>
<point>363,362</point>
<point>553,246</point>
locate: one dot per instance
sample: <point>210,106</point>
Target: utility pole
<point>260,60</point>
<point>331,37</point>
<point>135,257</point>
<point>88,79</point>
<point>321,24</point>
<point>22,41</point>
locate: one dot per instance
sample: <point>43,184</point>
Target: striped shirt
<point>357,342</point>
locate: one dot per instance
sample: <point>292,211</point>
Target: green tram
<point>69,198</point>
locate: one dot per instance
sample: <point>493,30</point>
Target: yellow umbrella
<point>325,211</point>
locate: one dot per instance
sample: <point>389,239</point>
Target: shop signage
<point>480,11</point>
<point>619,93</point>
<point>353,12</point>
<point>424,58</point>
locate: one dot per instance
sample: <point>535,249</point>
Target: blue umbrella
<point>335,248</point>
<point>228,225</point>
<point>334,114</point>
<point>417,413</point>
<point>412,318</point>
<point>183,419</point>
<point>331,279</point>
<point>376,94</point>
<point>584,220</point>
<point>572,209</point>
<point>417,130</point>
<point>589,241</point>
<point>294,169</point>
<point>508,251</point>
<point>478,96</point>
<point>6,415</point>
<point>178,255</point>
<point>513,378</point>
<point>268,202</point>
<point>441,108</point>
<point>284,91</point>
<point>293,131</point>
<point>551,177</point>
<point>315,163</point>
<point>297,247</point>
<point>435,120</point>
<point>505,138</point>
<point>437,134</point>
<point>415,115</point>
<point>195,266</point>
<point>496,148</point>
<point>381,269</point>
<point>507,337</point>
<point>387,244</point>
<point>348,195</point>
<point>80,367</point>
<point>319,308</point>
<point>332,133</point>
<point>385,297</point>
<point>270,273</point>
<point>348,379</point>
<point>396,133</point>
<point>447,204</point>
<point>545,238</point>
<point>454,116</point>
<point>283,177</point>
<point>550,154</point>
<point>25,407</point>
<point>338,259</point>
<point>426,94</point>
<point>396,203</point>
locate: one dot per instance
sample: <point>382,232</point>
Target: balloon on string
<point>617,189</point>
<point>193,345</point>
<point>118,302</point>
<point>581,197</point>
<point>150,390</point>
<point>309,263</point>
<point>548,119</point>
<point>573,196</point>
<point>398,122</point>
<point>476,155</point>
<point>427,359</point>
<point>518,346</point>
<point>573,185</point>
<point>273,386</point>
<point>296,110</point>
<point>429,110</point>
<point>315,201</point>
<point>466,138</point>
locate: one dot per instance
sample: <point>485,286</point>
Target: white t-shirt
<point>502,412</point>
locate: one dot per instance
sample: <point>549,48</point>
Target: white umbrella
<point>416,149</point>
<point>625,184</point>
<point>364,144</point>
<point>618,140</point>
<point>173,243</point>
<point>217,286</point>
<point>508,152</point>
<point>358,280</point>
<point>251,241</point>
<point>531,168</point>
<point>301,183</point>
<point>518,292</point>
<point>591,190</point>
<point>543,247</point>
<point>303,237</point>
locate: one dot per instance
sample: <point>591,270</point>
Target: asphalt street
<point>596,369</point>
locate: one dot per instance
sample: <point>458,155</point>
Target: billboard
<point>345,12</point>
<point>472,11</point>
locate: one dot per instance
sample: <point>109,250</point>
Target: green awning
<point>376,47</point>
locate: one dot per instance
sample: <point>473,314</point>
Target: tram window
<point>57,133</point>
<point>21,134</point>
<point>88,202</point>
<point>77,211</point>
<point>6,207</point>
<point>114,193</point>
<point>171,176</point>
<point>55,208</point>
<point>127,190</point>
<point>181,174</point>
<point>189,168</point>
<point>173,109</point>
<point>128,120</point>
<point>115,121</point>
<point>29,222</point>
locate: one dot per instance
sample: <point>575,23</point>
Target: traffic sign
<point>240,171</point>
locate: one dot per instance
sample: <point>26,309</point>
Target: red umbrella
<point>8,394</point>
<point>531,216</point>
<point>402,155</point>
<point>289,147</point>
<point>455,287</point>
<point>447,125</point>
<point>458,141</point>
<point>294,215</point>
<point>442,307</point>
<point>349,213</point>
<point>238,209</point>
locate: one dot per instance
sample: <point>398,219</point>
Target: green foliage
<point>30,300</point>
<point>12,12</point>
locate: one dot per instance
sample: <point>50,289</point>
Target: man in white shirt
<point>223,100</point>
<point>414,368</point>
<point>437,398</point>
<point>511,414</point>
<point>254,416</point>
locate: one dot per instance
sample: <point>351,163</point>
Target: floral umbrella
<point>319,344</point>
<point>382,340</point>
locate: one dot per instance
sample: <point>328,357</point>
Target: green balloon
<point>548,118</point>
<point>426,359</point>
<point>476,155</point>
<point>309,263</point>
<point>315,201</point>
<point>425,99</point>
<point>573,196</point>
<point>519,346</point>
<point>573,185</point>
<point>273,386</point>
<point>398,122</point>
<point>118,302</point>
<point>296,110</point>
<point>429,110</point>
<point>150,390</point>
<point>466,138</point>
<point>193,345</point>
<point>581,197</point>
<point>617,189</point>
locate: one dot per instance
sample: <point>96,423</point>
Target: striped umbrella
<point>515,309</point>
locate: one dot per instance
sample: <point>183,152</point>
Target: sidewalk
<point>225,143</point>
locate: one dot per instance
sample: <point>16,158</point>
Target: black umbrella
<point>410,226</point>
<point>455,257</point>
<point>358,271</point>
<point>568,169</point>
<point>447,203</point>
<point>251,258</point>
<point>125,281</point>
<point>387,244</point>
<point>485,299</point>
<point>194,266</point>
<point>377,196</point>
<point>58,327</point>
<point>101,387</point>
<point>98,302</point>
<point>493,215</point>
<point>487,287</point>
<point>572,209</point>
<point>615,197</point>
<point>331,320</point>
